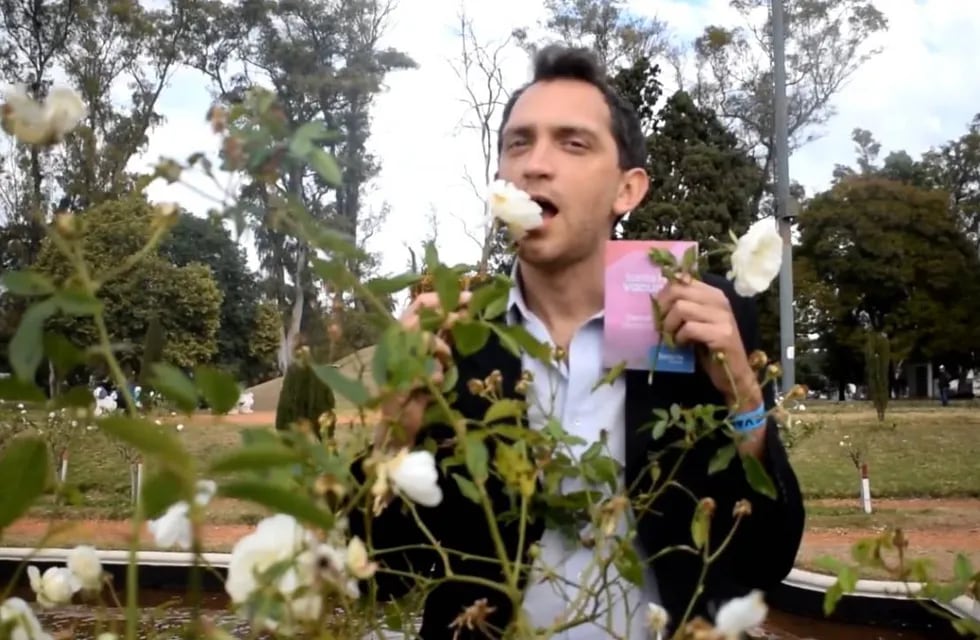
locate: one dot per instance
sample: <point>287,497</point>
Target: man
<point>576,147</point>
<point>944,380</point>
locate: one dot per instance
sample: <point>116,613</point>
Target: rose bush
<point>301,565</point>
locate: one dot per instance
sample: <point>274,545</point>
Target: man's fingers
<point>683,311</point>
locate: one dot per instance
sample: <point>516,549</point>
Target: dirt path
<point>928,539</point>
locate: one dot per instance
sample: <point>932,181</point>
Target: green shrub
<point>303,397</point>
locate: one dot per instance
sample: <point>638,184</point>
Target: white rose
<point>173,528</point>
<point>416,476</point>
<point>55,587</point>
<point>756,258</point>
<point>276,539</point>
<point>657,619</point>
<point>514,207</point>
<point>34,123</point>
<point>25,623</point>
<point>84,563</point>
<point>740,615</point>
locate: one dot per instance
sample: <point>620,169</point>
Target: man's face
<point>558,146</point>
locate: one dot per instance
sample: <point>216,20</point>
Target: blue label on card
<point>671,359</point>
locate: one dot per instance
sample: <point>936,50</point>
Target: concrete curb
<point>963,606</point>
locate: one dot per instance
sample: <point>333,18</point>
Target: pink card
<point>630,332</point>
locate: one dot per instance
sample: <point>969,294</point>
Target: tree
<point>617,36</point>
<point>889,258</point>
<point>324,62</point>
<point>701,183</point>
<point>955,167</point>
<point>200,240</point>
<point>186,299</point>
<point>826,43</point>
<point>479,69</point>
<point>263,343</point>
<point>97,47</point>
<point>877,363</point>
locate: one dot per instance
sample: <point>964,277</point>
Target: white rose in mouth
<point>514,207</point>
<point>757,258</point>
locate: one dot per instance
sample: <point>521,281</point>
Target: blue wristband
<point>750,420</point>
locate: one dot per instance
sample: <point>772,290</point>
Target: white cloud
<point>916,94</point>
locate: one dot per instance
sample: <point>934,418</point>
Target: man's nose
<point>539,161</point>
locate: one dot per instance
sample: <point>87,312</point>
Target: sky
<point>918,92</point>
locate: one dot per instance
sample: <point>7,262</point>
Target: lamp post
<point>784,212</point>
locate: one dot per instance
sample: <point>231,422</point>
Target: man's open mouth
<point>548,208</point>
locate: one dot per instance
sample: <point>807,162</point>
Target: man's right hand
<point>402,415</point>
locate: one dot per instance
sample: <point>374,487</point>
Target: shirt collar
<point>517,309</point>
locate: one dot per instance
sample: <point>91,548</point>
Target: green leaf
<point>153,441</point>
<point>660,428</point>
<point>535,348</point>
<point>467,488</point>
<point>962,568</point>
<point>611,375</point>
<point>18,390</point>
<point>175,386</point>
<point>62,352</point>
<point>829,564</point>
<point>450,379</point>
<point>628,563</point>
<point>78,396</point>
<point>76,302</point>
<point>477,458</point>
<point>496,291</point>
<point>470,337</point>
<point>218,388</point>
<point>722,458</point>
<point>700,527</point>
<point>831,598</point>
<point>447,286</point>
<point>24,469</point>
<point>160,490</point>
<point>388,286</point>
<point>689,262</point>
<point>431,257</point>
<point>255,458</point>
<point>280,500</point>
<point>325,165</point>
<point>505,408</point>
<point>757,477</point>
<point>662,257</point>
<point>496,308</point>
<point>27,283</point>
<point>27,346</point>
<point>847,578</point>
<point>349,388</point>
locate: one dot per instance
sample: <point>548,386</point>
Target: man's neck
<point>566,298</point>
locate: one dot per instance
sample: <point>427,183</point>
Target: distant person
<point>944,379</point>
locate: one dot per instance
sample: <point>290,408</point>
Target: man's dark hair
<point>558,62</point>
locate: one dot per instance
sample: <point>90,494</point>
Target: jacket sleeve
<point>763,550</point>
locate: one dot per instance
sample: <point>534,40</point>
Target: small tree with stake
<point>877,355</point>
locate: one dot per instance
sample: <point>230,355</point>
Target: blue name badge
<point>671,359</point>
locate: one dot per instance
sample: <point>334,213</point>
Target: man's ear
<point>632,189</point>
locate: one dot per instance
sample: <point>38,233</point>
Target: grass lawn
<point>919,451</point>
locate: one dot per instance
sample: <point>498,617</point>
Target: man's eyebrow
<point>562,131</point>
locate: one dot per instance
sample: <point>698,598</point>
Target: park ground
<point>924,464</point>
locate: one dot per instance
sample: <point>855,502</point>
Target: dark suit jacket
<point>760,555</point>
